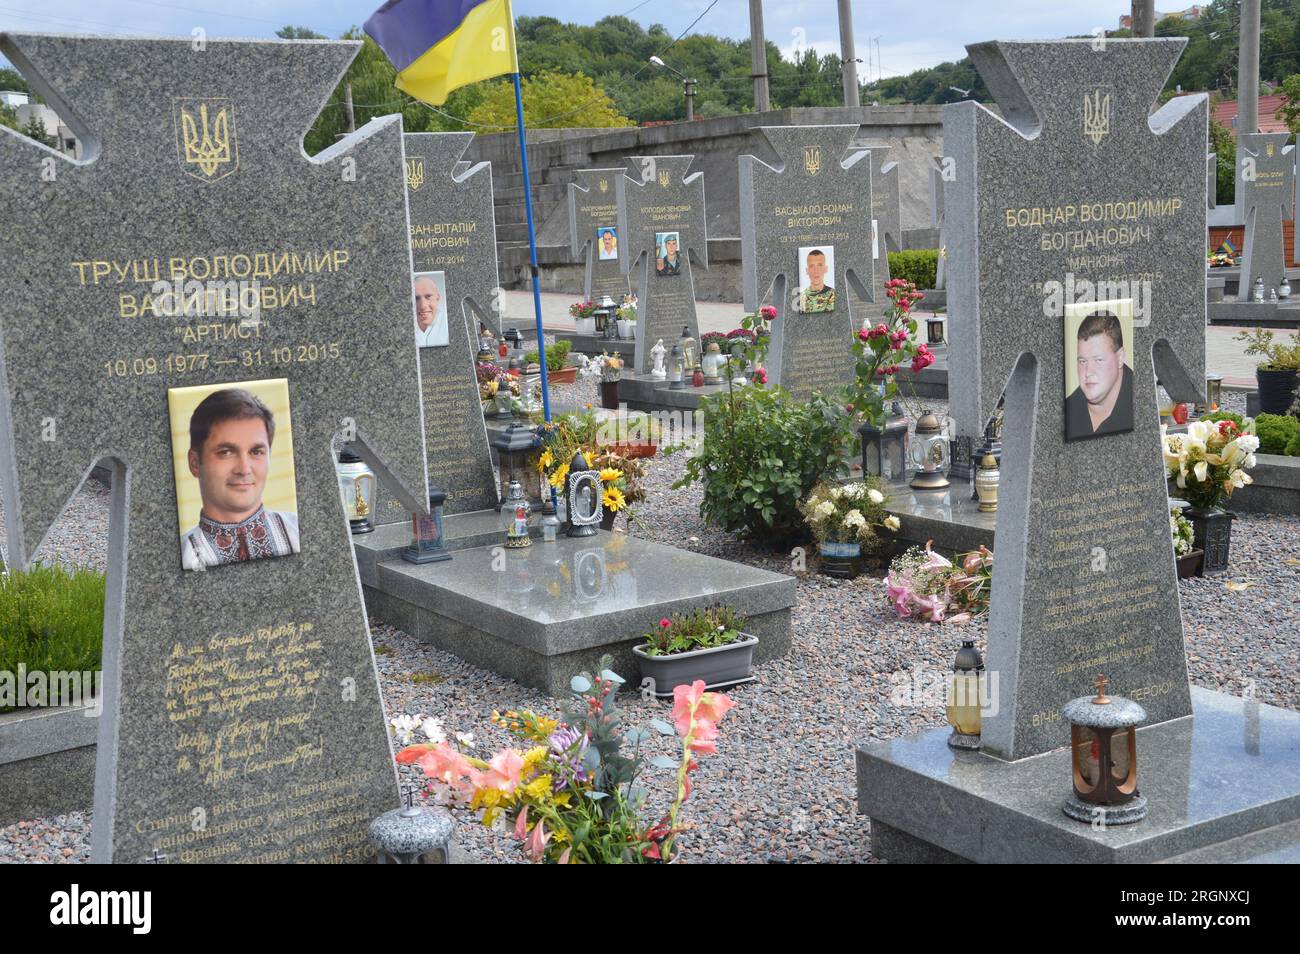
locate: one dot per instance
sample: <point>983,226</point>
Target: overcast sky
<point>911,35</point>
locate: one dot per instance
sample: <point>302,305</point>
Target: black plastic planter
<point>1212,533</point>
<point>1277,390</point>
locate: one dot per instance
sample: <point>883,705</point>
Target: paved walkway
<point>1223,355</point>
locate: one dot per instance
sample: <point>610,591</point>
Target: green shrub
<point>1226,416</point>
<point>918,266</point>
<point>51,619</point>
<point>556,355</point>
<point>1277,434</point>
<point>762,452</point>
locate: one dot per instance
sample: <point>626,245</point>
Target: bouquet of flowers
<point>883,349</point>
<point>582,309</point>
<point>569,791</point>
<point>491,378</point>
<point>1210,461</point>
<point>1220,260</point>
<point>925,585</point>
<point>622,477</point>
<point>1182,531</point>
<point>607,367</point>
<point>847,514</point>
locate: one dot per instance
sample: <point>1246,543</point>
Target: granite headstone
<point>886,212</point>
<point>657,200</point>
<point>593,213</point>
<point>1268,182</point>
<point>1077,183</point>
<point>936,222</point>
<point>805,226</point>
<point>453,246</point>
<point>242,719</point>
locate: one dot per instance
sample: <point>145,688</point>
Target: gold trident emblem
<point>414,172</point>
<point>604,185</point>
<point>812,161</point>
<point>663,178</point>
<point>1268,149</point>
<point>1096,116</point>
<point>205,138</point>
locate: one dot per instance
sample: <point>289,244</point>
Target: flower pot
<point>562,375</point>
<point>584,326</point>
<point>1211,533</point>
<point>635,451</point>
<point>626,329</point>
<point>609,395</point>
<point>719,667</point>
<point>1189,564</point>
<point>840,560</point>
<point>1277,390</point>
<point>607,519</point>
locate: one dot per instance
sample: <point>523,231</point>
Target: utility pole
<point>1144,18</point>
<point>347,100</point>
<point>1247,91</point>
<point>848,59</point>
<point>758,51</point>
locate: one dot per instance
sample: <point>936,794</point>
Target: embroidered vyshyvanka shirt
<point>266,533</point>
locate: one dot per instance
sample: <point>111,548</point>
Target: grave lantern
<point>1103,758</point>
<point>676,368</point>
<point>427,545</point>
<point>515,511</point>
<point>965,692</point>
<point>713,363</point>
<point>884,453</point>
<point>486,346</point>
<point>357,486</point>
<point>518,448</point>
<point>690,353</point>
<point>738,361</point>
<point>929,457</point>
<point>603,314</point>
<point>550,523</point>
<point>514,340</point>
<point>414,835</point>
<point>986,483</point>
<point>1213,392</point>
<point>934,329</point>
<point>584,492</point>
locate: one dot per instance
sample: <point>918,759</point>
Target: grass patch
<point>430,678</point>
<point>51,619</point>
<point>383,649</point>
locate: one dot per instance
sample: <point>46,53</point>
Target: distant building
<point>1225,114</point>
<point>66,141</point>
<point>1191,13</point>
<point>12,98</point>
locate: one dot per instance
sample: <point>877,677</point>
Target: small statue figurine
<point>657,356</point>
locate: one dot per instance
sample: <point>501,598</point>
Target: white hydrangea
<point>854,519</point>
<point>892,522</point>
<point>854,491</point>
<point>875,496</point>
<point>824,509</point>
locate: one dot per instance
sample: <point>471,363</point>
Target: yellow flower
<point>539,788</point>
<point>609,475</point>
<point>545,461</point>
<point>532,757</point>
<point>614,499</point>
<point>557,479</point>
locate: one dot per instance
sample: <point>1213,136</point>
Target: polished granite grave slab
<point>544,613</point>
<point>1221,785</point>
<point>1267,314</point>
<point>640,392</point>
<point>947,517</point>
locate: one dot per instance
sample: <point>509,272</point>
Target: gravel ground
<point>781,788</point>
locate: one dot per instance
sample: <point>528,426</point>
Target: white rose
<point>875,496</point>
<point>891,522</point>
<point>1248,443</point>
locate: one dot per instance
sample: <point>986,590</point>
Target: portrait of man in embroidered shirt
<point>232,432</point>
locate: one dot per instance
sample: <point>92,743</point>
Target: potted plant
<point>584,317</point>
<point>1186,555</point>
<point>638,436</point>
<point>1205,465</point>
<point>497,389</point>
<point>557,355</point>
<point>705,645</point>
<point>846,520</point>
<point>627,320</point>
<point>568,787</point>
<point>610,369</point>
<point>1278,372</point>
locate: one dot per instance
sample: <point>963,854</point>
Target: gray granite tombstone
<point>936,222</point>
<point>805,226</point>
<point>1268,183</point>
<point>453,247</point>
<point>243,719</point>
<point>593,212</point>
<point>886,211</point>
<point>1077,184</point>
<point>656,201</point>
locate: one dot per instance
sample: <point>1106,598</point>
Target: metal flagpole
<point>532,248</point>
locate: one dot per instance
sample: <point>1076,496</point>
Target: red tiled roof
<point>1225,112</point>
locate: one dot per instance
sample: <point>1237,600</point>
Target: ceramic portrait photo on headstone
<point>1098,368</point>
<point>232,450</point>
<point>607,244</point>
<point>430,309</point>
<point>669,260</point>
<point>816,273</point>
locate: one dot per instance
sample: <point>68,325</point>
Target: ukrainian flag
<point>441,45</point>
<point>1227,247</point>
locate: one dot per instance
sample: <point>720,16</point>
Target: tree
<point>1289,112</point>
<point>13,80</point>
<point>1224,148</point>
<point>35,129</point>
<point>299,33</point>
<point>551,101</point>
<point>8,117</point>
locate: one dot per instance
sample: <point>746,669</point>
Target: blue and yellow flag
<point>441,45</point>
<point>1227,248</point>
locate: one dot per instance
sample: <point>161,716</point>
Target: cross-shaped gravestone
<point>805,226</point>
<point>886,211</point>
<point>593,232</point>
<point>454,251</point>
<point>242,717</point>
<point>936,222</point>
<point>1268,183</point>
<point>655,203</point>
<point>1078,184</point>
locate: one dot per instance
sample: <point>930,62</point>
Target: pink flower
<point>535,846</point>
<point>863,335</point>
<point>504,771</point>
<point>521,824</point>
<point>935,561</point>
<point>768,312</point>
<point>696,715</point>
<point>931,607</point>
<point>760,375</point>
<point>665,622</point>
